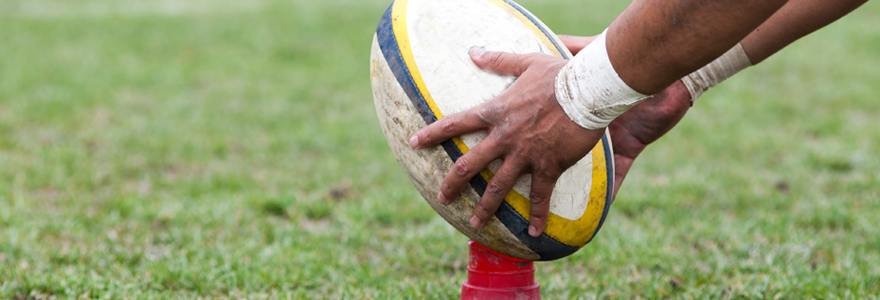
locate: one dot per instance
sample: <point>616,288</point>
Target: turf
<point>230,149</point>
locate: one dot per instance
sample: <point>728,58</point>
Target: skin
<point>524,124</point>
<point>793,21</point>
<point>651,45</point>
<point>654,117</point>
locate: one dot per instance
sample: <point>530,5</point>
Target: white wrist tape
<point>729,63</point>
<point>590,91</point>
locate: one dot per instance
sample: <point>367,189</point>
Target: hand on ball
<point>527,129</point>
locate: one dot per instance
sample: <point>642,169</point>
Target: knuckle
<point>487,112</point>
<point>494,189</point>
<point>462,167</point>
<point>497,59</point>
<point>449,126</point>
<point>539,199</point>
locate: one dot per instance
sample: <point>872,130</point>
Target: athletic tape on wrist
<point>590,91</point>
<point>729,63</point>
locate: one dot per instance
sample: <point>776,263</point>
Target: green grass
<point>230,149</point>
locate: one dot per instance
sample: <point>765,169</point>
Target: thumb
<point>500,62</point>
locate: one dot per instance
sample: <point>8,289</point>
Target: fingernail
<point>475,223</point>
<point>533,231</point>
<point>477,52</point>
<point>414,142</point>
<point>441,198</point>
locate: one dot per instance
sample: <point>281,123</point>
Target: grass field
<point>230,149</point>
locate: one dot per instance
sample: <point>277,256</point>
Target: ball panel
<point>542,31</point>
<point>441,34</point>
<point>579,232</point>
<point>609,182</point>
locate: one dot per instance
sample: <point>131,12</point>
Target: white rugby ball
<point>421,71</point>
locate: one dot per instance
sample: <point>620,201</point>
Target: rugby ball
<point>421,71</point>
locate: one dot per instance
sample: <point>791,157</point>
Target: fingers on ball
<point>541,191</point>
<point>466,167</point>
<point>498,188</point>
<point>447,128</point>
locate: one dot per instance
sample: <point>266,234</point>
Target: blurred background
<point>230,149</point>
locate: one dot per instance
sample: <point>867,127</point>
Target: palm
<point>645,123</point>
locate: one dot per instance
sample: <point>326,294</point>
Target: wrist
<point>590,91</point>
<point>710,75</point>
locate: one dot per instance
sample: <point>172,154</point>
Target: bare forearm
<point>793,21</point>
<point>654,43</point>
